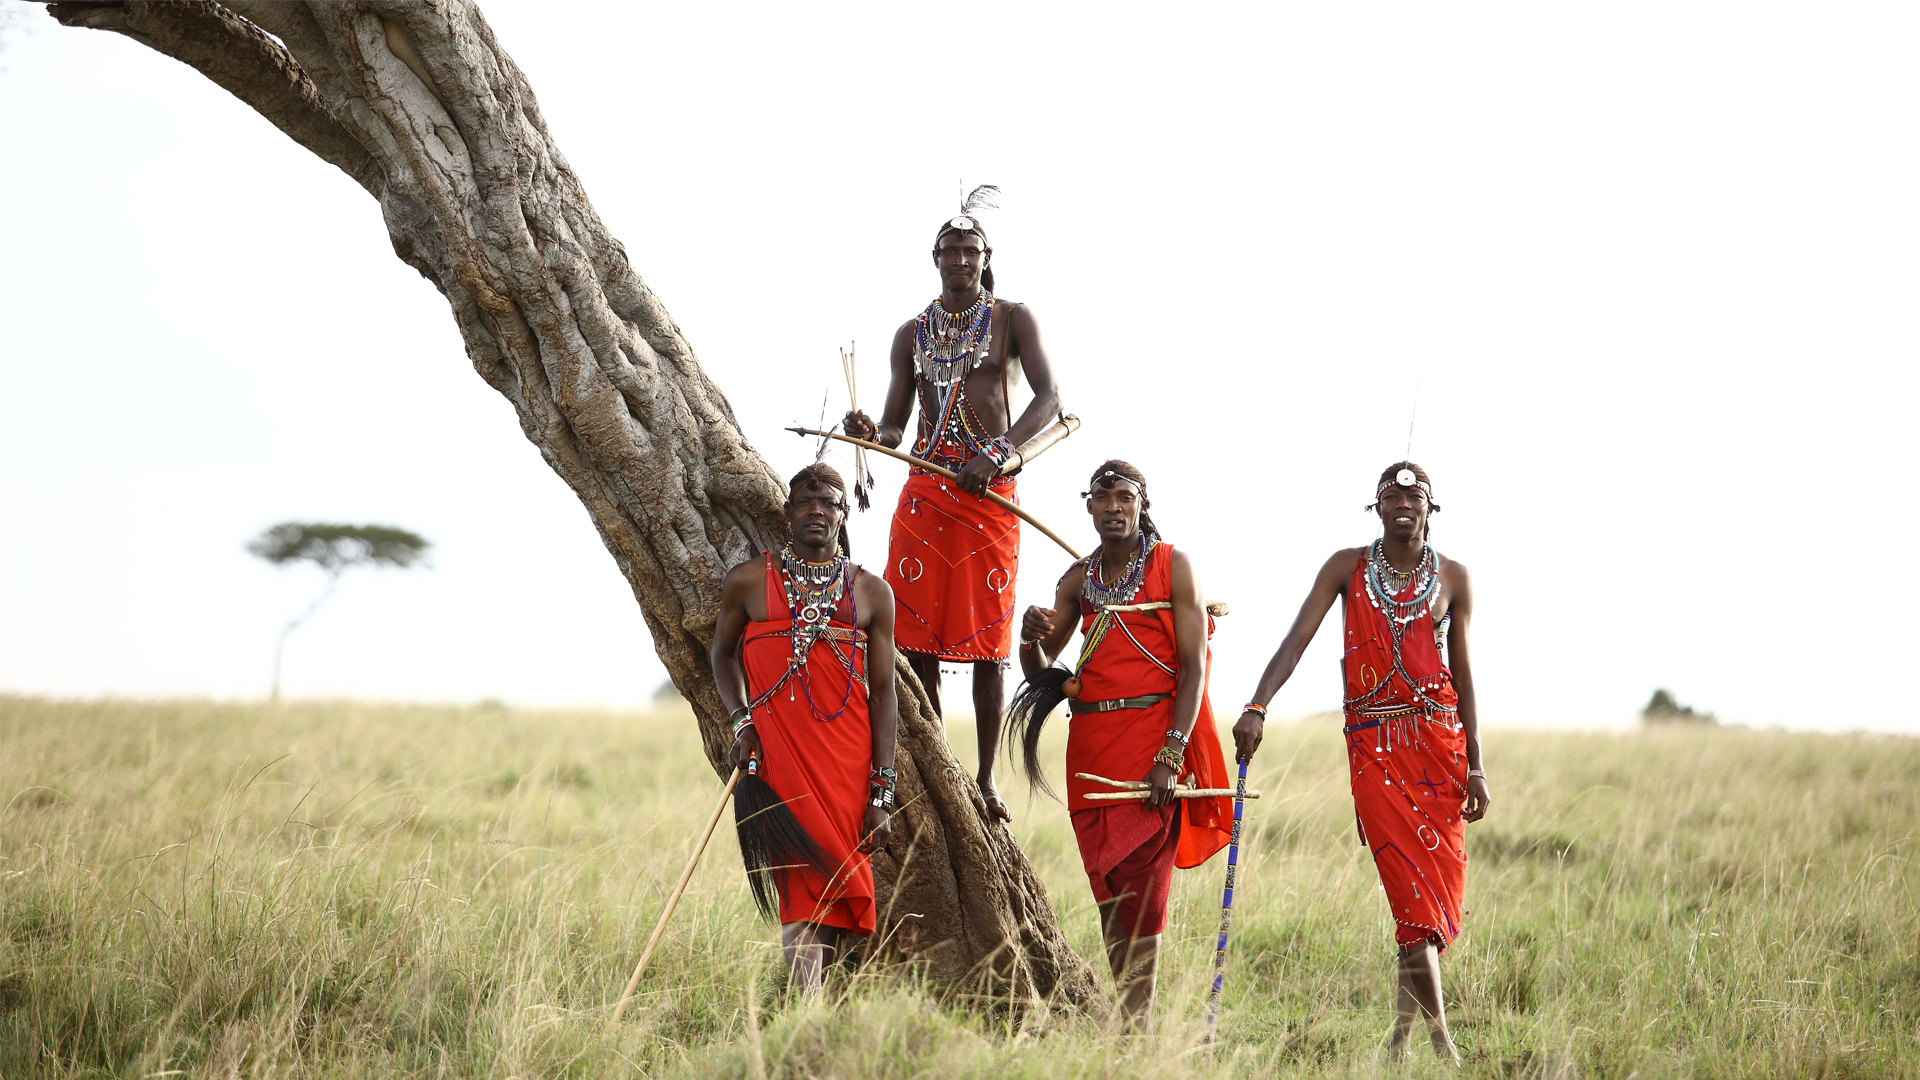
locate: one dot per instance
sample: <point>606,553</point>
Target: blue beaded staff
<point>1226,903</point>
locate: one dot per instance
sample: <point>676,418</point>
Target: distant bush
<point>1663,709</point>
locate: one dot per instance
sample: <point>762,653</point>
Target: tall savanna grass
<point>344,890</point>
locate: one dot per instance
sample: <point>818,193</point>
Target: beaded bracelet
<point>1177,734</point>
<point>1171,758</point>
<point>998,449</point>
<point>1471,773</point>
<point>881,783</point>
<point>1254,706</point>
<point>742,719</point>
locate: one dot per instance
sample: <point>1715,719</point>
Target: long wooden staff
<point>938,471</point>
<point>673,901</point>
<point>1226,903</point>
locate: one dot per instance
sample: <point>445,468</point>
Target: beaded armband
<point>1171,758</point>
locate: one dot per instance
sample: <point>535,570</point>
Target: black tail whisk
<point>772,840</point>
<point>1038,696</point>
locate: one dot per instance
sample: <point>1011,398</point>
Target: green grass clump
<point>346,889</point>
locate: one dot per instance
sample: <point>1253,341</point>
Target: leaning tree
<point>418,103</point>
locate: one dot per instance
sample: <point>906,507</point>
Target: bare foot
<point>995,807</point>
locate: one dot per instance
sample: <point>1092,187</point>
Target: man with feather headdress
<point>953,555</point>
<point>803,660</point>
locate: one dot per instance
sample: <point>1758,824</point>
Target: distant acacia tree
<point>334,549</point>
<point>1663,708</point>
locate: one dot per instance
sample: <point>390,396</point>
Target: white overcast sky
<point>1651,266</point>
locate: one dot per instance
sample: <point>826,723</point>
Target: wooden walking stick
<point>674,900</point>
<point>1226,903</point>
<point>938,471</point>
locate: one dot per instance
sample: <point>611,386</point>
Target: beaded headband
<point>1404,478</point>
<point>1088,494</point>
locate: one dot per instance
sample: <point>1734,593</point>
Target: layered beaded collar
<point>1125,587</point>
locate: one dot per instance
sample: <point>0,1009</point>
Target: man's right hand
<point>1247,734</point>
<point>859,425</point>
<point>744,747</point>
<point>1036,624</point>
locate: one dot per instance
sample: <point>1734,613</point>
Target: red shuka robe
<point>1409,766</point>
<point>816,752</point>
<point>952,558</point>
<point>1129,851</point>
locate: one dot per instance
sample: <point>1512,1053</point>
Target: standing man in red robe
<point>1413,736</point>
<point>953,555</point>
<point>803,660</point>
<point>1140,712</point>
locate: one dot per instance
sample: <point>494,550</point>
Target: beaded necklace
<point>1384,584</point>
<point>946,347</point>
<point>1125,587</point>
<point>1102,596</point>
<point>813,591</point>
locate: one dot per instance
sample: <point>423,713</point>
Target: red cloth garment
<point>1129,852</point>
<point>1137,657</point>
<point>1409,766</point>
<point>816,751</point>
<point>951,560</point>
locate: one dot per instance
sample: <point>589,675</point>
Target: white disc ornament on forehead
<point>962,222</point>
<point>1405,478</point>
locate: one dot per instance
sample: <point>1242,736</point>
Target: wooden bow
<point>939,471</point>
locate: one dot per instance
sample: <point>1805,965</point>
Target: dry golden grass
<point>368,890</point>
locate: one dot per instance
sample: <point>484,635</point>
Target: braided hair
<point>1114,471</point>
<point>1420,478</point>
<point>821,475</point>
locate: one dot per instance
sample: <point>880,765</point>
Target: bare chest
<point>987,388</point>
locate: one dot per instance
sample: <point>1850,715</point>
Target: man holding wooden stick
<point>803,660</point>
<point>954,555</point>
<point>1140,715</point>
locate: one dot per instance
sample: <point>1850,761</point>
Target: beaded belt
<point>1117,704</point>
<point>1379,718</point>
<point>1395,714</point>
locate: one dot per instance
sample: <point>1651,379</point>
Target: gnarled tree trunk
<point>419,104</point>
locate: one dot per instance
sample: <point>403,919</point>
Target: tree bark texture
<point>418,103</point>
